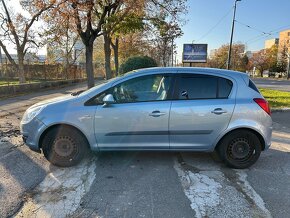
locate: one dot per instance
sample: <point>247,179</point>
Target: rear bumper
<point>267,135</point>
<point>267,147</point>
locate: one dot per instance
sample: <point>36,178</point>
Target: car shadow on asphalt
<point>19,173</point>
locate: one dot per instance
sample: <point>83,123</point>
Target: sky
<point>269,16</point>
<point>209,21</point>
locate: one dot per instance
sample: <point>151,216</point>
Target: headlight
<point>30,113</point>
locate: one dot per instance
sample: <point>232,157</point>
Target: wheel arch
<point>257,133</point>
<point>59,125</point>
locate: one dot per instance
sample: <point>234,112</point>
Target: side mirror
<point>109,99</point>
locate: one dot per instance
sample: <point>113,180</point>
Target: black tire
<point>64,146</point>
<point>240,149</point>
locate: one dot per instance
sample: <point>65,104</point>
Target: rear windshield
<point>253,86</point>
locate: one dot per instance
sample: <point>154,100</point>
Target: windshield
<point>104,82</point>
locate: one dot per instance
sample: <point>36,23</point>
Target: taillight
<point>263,104</point>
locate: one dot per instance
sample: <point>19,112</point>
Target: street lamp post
<point>288,66</point>
<point>232,35</point>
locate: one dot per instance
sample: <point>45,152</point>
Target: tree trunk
<point>89,65</point>
<point>107,49</point>
<point>164,60</point>
<point>8,56</point>
<point>67,65</point>
<point>116,55</point>
<point>21,68</point>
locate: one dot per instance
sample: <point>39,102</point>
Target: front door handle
<point>219,111</point>
<point>157,114</point>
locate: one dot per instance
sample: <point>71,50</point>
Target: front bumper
<point>31,133</point>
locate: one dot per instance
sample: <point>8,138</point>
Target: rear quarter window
<point>253,86</point>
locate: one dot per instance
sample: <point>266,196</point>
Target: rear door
<point>201,110</point>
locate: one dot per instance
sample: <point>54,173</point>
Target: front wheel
<point>240,149</point>
<point>64,147</point>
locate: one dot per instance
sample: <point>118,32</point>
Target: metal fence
<point>41,72</point>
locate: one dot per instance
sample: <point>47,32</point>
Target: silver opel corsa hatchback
<point>162,109</point>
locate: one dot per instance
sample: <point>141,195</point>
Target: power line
<point>263,36</point>
<point>218,23</point>
<point>282,27</point>
<point>253,28</point>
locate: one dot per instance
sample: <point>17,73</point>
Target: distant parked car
<point>272,74</point>
<point>160,109</point>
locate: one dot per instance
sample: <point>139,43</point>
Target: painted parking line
<point>60,193</point>
<point>220,192</point>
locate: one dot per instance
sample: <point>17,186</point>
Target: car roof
<point>191,70</point>
<point>197,70</point>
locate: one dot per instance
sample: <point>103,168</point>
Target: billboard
<point>194,53</point>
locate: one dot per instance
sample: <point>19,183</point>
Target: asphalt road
<point>138,184</point>
<point>282,85</point>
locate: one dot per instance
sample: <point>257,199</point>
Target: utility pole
<point>175,61</point>
<point>172,52</point>
<point>288,66</point>
<point>232,36</point>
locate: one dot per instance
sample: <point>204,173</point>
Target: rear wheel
<point>64,147</point>
<point>240,149</point>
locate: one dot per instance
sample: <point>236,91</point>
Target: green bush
<point>138,62</point>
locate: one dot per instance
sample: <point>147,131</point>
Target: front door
<point>139,117</point>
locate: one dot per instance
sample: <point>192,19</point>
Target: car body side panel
<point>193,125</point>
<point>130,125</point>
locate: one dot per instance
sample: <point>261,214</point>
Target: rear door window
<point>225,88</point>
<point>202,87</point>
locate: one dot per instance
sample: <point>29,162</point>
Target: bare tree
<point>17,29</point>
<point>163,22</point>
<point>89,17</point>
<point>61,38</point>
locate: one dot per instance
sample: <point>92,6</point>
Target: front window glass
<point>141,89</point>
<point>145,88</point>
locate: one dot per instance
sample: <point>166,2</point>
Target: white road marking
<point>60,193</point>
<point>252,193</point>
<point>213,194</point>
<point>201,190</point>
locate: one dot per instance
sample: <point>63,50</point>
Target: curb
<point>275,110</point>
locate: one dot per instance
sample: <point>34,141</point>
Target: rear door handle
<point>219,111</point>
<point>157,114</point>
